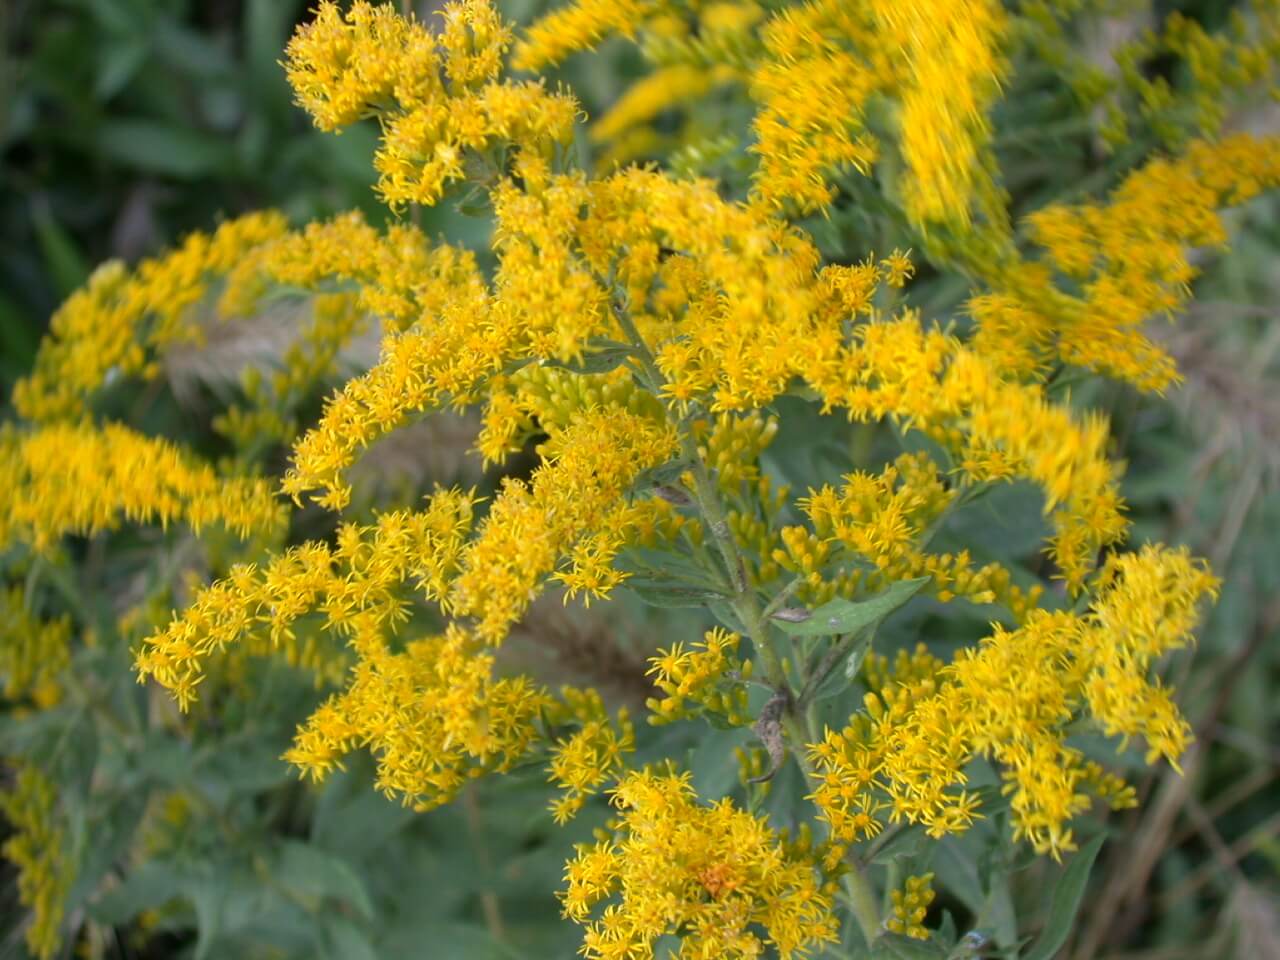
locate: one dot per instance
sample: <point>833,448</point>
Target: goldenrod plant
<point>691,394</point>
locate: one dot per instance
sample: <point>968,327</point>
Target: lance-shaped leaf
<point>1066,901</point>
<point>852,616</point>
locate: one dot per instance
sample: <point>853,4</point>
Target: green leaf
<point>661,475</point>
<point>17,339</point>
<point>848,616</point>
<point>313,873</point>
<point>239,765</point>
<point>894,946</point>
<point>663,579</point>
<point>672,594</point>
<point>190,52</point>
<point>946,933</point>
<point>62,259</point>
<point>1067,895</point>
<point>604,360</point>
<point>164,149</point>
<point>207,895</point>
<point>477,211</point>
<point>154,883</point>
<point>343,940</point>
<point>120,61</point>
<point>445,939</point>
<point>858,654</point>
<point>907,842</point>
<point>266,28</point>
<point>724,613</point>
<point>660,566</point>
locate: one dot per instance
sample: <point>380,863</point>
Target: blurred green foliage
<point>126,123</point>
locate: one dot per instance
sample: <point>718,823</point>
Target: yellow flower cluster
<point>910,904</point>
<point>1146,606</point>
<point>547,305</point>
<point>111,327</point>
<point>821,66</point>
<point>358,580</point>
<point>731,312</point>
<point>1011,699</point>
<point>541,278</point>
<point>995,430</point>
<point>907,667</point>
<point>710,676</point>
<point>1240,59</point>
<point>886,518</point>
<point>1212,73</point>
<point>37,848</point>
<point>948,75</point>
<point>629,332</point>
<point>851,779</point>
<point>546,399</point>
<point>731,445</point>
<point>397,274</point>
<point>432,716</point>
<point>437,97</point>
<point>444,357</point>
<point>582,763</point>
<point>571,510</point>
<point>64,479</point>
<point>716,877</point>
<point>121,323</point>
<point>580,26</point>
<point>1129,258</point>
<point>824,61</point>
<point>32,651</point>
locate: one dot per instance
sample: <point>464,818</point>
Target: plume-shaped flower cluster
<point>64,479</point>
<point>1011,699</point>
<point>437,96</point>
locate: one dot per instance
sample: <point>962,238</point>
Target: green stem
<point>833,656</point>
<point>746,604</point>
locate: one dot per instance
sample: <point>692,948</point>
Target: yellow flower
<point>32,651</point>
<point>582,763</point>
<point>438,96</point>
<point>358,581</point>
<point>1130,255</point>
<point>433,717</point>
<point>37,847</point>
<point>579,26</point>
<point>910,904</point>
<point>822,65</point>
<point>1011,699</point>
<point>710,675</point>
<point>949,67</point>
<point>715,877</point>
<point>113,326</point>
<point>531,528</point>
<point>65,479</point>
